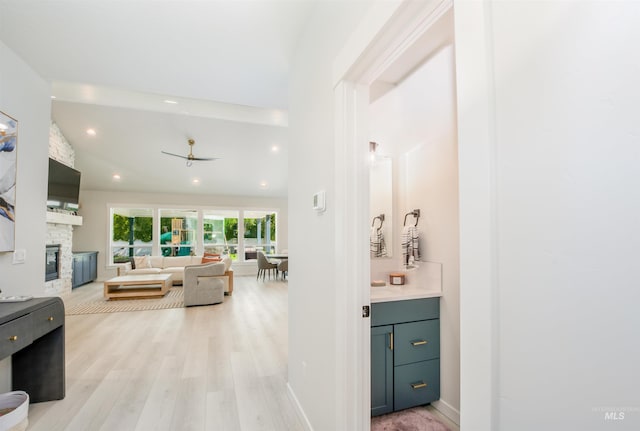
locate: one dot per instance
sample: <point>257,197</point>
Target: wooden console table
<point>32,333</point>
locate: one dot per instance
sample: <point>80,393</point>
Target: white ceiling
<point>113,63</point>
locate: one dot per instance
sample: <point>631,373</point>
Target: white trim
<point>298,409</point>
<point>447,410</point>
<point>479,344</point>
<point>391,31</point>
<point>357,44</point>
<point>351,261</point>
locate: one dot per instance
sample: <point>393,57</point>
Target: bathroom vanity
<point>405,351</point>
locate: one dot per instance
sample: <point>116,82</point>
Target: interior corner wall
<point>93,235</point>
<point>26,97</point>
<point>313,291</point>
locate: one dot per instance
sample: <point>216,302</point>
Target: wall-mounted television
<point>64,186</point>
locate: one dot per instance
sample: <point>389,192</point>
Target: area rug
<point>415,419</point>
<point>173,299</point>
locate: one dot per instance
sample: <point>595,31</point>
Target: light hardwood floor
<point>219,367</point>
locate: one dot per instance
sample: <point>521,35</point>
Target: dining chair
<point>265,265</point>
<point>283,267</point>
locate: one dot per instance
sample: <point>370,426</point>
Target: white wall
<point>552,130</point>
<point>415,123</point>
<point>26,97</point>
<point>93,235</point>
<point>313,293</point>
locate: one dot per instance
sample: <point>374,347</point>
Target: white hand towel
<point>377,246</point>
<point>410,244</point>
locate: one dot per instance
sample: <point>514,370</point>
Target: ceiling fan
<point>190,157</point>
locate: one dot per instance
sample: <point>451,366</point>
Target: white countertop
<point>400,293</point>
<point>423,281</point>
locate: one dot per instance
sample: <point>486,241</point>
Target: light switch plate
<point>319,201</point>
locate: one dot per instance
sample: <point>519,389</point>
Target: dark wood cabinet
<point>32,333</point>
<point>85,267</point>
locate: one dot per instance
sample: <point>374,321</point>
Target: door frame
<point>388,31</point>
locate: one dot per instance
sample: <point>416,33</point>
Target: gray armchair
<point>203,284</point>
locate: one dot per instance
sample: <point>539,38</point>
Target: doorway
<point>388,65</point>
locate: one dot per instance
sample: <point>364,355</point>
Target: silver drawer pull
<point>418,385</point>
<point>419,343</point>
<point>50,319</point>
<point>13,338</point>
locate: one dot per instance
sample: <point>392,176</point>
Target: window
<point>178,228</point>
<point>220,233</point>
<point>184,232</point>
<point>259,233</point>
<point>131,233</point>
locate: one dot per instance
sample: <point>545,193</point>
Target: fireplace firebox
<point>52,262</point>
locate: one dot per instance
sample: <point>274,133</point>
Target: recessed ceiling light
<point>91,132</point>
<point>116,176</point>
<point>171,102</point>
<point>195,181</point>
<point>53,97</point>
<point>275,148</point>
<point>263,185</point>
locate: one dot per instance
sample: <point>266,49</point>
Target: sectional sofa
<point>173,265</point>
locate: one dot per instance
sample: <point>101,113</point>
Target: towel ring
<point>381,218</point>
<point>415,213</point>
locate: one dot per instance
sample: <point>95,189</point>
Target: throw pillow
<point>146,262</point>
<point>141,261</point>
<point>209,259</point>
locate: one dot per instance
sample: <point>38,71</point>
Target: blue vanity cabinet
<point>405,354</point>
<point>381,370</point>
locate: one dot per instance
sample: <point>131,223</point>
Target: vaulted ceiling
<point>147,75</point>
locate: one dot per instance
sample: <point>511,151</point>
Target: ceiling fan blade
<point>190,157</point>
<point>205,158</point>
<point>176,155</point>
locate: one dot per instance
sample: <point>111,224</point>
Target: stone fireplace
<point>60,226</point>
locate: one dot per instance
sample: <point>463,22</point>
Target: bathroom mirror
<point>381,207</point>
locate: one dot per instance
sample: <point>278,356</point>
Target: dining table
<point>281,256</point>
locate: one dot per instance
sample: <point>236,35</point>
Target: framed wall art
<point>8,163</point>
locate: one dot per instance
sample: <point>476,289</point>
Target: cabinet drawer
<point>416,341</point>
<point>416,384</point>
<point>388,313</point>
<point>47,319</point>
<point>15,335</point>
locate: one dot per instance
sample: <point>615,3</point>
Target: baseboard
<point>447,410</point>
<point>299,411</point>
